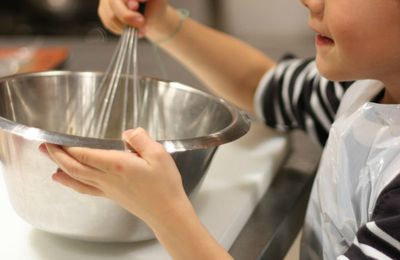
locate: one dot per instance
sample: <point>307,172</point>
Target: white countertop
<point>238,176</point>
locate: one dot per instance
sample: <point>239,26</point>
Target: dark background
<point>77,17</point>
<point>48,17</point>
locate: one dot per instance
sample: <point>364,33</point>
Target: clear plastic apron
<point>361,157</point>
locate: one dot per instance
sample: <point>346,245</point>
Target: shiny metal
<point>41,107</point>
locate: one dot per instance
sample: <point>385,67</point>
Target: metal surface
<point>276,221</point>
<point>278,218</point>
<point>41,107</point>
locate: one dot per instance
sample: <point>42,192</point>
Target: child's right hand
<point>147,183</point>
<point>115,14</point>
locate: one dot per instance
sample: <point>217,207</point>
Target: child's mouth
<point>323,40</point>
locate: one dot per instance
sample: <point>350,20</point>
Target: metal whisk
<point>122,72</point>
<point>121,78</point>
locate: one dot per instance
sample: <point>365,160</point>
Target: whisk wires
<point>122,72</point>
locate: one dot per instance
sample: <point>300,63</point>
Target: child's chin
<point>333,73</point>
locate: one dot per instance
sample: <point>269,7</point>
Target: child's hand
<point>115,14</point>
<point>148,183</point>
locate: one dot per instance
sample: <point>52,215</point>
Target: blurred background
<point>277,27</point>
<point>262,23</point>
<point>67,34</point>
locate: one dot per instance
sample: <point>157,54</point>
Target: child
<point>354,209</point>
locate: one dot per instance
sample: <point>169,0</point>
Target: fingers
<point>114,25</point>
<point>108,161</point>
<point>91,165</point>
<point>76,185</point>
<point>72,167</point>
<point>133,4</point>
<point>126,15</point>
<point>109,19</point>
<point>144,145</point>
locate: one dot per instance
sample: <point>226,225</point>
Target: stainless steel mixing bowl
<point>47,107</point>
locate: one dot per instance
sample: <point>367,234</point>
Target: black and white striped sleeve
<point>294,95</point>
<point>380,238</point>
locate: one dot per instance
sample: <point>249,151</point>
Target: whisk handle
<point>142,7</point>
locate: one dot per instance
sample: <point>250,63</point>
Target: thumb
<point>140,141</point>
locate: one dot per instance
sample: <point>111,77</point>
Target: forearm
<point>229,67</point>
<point>180,231</point>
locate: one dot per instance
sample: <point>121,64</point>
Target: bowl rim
<point>238,127</point>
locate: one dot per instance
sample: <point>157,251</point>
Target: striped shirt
<point>294,95</point>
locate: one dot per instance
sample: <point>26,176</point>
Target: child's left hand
<point>148,183</point>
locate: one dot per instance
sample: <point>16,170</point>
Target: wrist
<point>181,232</point>
<point>169,214</point>
<point>165,26</point>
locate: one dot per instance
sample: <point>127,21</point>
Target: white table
<point>238,176</point>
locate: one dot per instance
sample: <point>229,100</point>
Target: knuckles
<point>126,18</point>
<point>140,132</point>
<point>82,157</point>
<point>158,152</point>
<point>74,170</point>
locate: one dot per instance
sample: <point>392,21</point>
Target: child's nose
<point>316,7</point>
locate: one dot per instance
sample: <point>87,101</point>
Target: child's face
<point>356,39</point>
